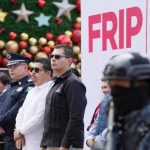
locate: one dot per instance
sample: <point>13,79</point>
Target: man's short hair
<point>68,51</point>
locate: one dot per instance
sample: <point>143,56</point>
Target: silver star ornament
<point>64,8</point>
<point>22,13</point>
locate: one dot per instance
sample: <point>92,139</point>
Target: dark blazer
<point>64,112</point>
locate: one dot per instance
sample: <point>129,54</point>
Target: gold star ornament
<point>2,15</point>
<point>22,13</point>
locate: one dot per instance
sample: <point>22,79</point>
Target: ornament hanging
<point>42,20</point>
<point>41,3</point>
<point>2,15</point>
<point>23,13</point>
<point>64,8</point>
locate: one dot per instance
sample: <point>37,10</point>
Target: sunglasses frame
<point>57,56</point>
<point>36,69</point>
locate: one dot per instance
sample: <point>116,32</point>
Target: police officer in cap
<point>14,96</point>
<point>129,77</point>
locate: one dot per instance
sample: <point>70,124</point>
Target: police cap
<point>16,59</point>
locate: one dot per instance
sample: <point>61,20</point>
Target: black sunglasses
<point>36,69</point>
<point>56,56</point>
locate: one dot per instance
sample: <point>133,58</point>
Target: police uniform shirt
<point>12,101</point>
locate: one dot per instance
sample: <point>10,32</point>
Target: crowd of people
<point>42,106</point>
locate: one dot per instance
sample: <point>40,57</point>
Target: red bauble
<point>64,39</point>
<point>78,5</point>
<point>1,60</point>
<point>49,36</point>
<point>77,26</point>
<point>12,36</point>
<point>23,44</point>
<point>47,50</point>
<point>41,3</point>
<point>60,38</point>
<point>5,61</point>
<point>41,48</point>
<point>2,30</point>
<point>59,21</point>
<point>14,1</point>
<point>28,55</point>
<point>76,36</point>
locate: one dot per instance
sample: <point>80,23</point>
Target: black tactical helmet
<point>130,66</point>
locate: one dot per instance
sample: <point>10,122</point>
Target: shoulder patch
<point>19,89</point>
<point>29,80</point>
<point>28,89</point>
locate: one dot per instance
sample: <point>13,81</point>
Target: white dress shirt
<point>30,118</point>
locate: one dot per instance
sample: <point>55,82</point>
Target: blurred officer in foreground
<point>129,78</point>
<point>14,97</point>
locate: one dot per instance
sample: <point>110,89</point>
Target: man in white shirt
<point>30,118</point>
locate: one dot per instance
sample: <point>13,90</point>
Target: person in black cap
<point>14,97</point>
<point>129,124</point>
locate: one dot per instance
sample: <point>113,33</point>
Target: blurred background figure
<point>105,88</point>
<point>99,120</point>
<point>4,82</point>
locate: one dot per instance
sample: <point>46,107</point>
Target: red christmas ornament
<point>78,5</point>
<point>2,30</point>
<point>41,3</point>
<point>23,44</point>
<point>5,61</point>
<point>75,60</point>
<point>76,36</point>
<point>41,48</point>
<point>49,36</point>
<point>59,21</point>
<point>77,26</point>
<point>60,38</point>
<point>12,36</point>
<point>28,55</point>
<point>66,41</point>
<point>14,1</point>
<point>47,50</point>
<point>1,60</point>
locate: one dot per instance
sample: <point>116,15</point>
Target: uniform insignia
<point>28,89</point>
<point>19,89</point>
<point>58,90</point>
<point>29,80</point>
<point>8,56</point>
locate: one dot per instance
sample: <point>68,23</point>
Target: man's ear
<point>70,60</point>
<point>49,73</point>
